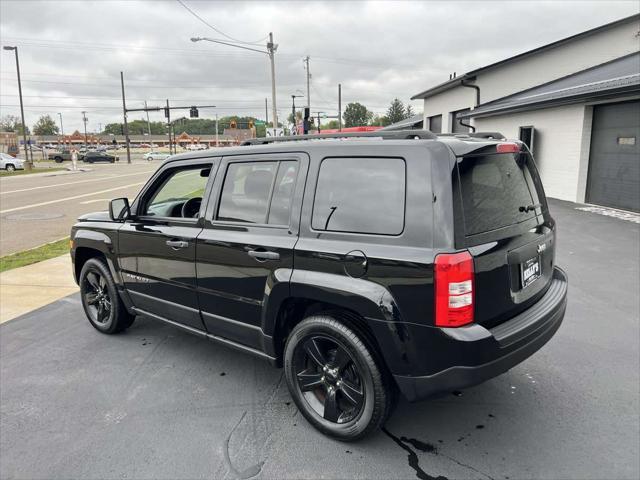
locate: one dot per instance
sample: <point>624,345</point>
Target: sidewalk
<point>25,289</point>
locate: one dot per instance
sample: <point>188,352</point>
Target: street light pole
<point>126,125</point>
<point>61,129</point>
<point>84,120</point>
<point>306,61</point>
<point>28,161</point>
<point>271,50</point>
<point>271,47</point>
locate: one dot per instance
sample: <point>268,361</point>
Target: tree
<point>409,112</point>
<point>136,127</point>
<point>45,126</point>
<point>298,117</point>
<point>356,115</point>
<point>330,125</point>
<point>380,121</point>
<point>11,123</point>
<point>396,111</point>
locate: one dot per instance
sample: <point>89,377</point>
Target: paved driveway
<point>158,403</point>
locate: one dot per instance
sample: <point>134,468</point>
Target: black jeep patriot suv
<point>399,261</point>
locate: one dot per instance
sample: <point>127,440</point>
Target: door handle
<point>263,255</point>
<point>177,244</point>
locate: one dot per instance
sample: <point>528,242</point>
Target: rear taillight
<point>453,278</point>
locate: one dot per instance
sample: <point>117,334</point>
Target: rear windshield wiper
<point>529,208</point>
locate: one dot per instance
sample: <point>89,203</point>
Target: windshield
<point>497,191</point>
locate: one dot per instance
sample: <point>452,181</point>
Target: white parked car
<point>150,156</point>
<point>9,163</point>
<point>196,146</point>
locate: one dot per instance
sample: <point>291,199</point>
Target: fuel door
<point>355,264</point>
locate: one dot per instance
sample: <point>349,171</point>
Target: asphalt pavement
<point>155,402</point>
<point>40,208</point>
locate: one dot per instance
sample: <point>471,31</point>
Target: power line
<point>133,85</point>
<point>47,43</point>
<point>218,30</point>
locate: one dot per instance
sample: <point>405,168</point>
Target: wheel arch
<point>93,244</point>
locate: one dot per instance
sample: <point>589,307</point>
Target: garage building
<point>574,102</point>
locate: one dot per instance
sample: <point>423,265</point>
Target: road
<point>155,402</point>
<point>39,208</point>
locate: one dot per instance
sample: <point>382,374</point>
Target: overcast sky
<point>71,52</point>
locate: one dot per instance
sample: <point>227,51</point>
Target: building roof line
<point>473,73</point>
<point>616,75</point>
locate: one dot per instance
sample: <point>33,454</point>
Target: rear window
<point>497,191</point>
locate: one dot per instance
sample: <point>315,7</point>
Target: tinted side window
<point>360,195</point>
<point>258,192</point>
<point>246,191</point>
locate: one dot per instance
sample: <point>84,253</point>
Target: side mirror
<point>119,209</point>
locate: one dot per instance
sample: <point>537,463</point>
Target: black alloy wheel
<point>329,379</point>
<point>336,378</point>
<point>96,297</point>
<point>104,309</point>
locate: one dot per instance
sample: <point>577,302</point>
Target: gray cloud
<point>71,52</point>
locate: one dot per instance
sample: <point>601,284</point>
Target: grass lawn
<point>27,257</point>
<point>4,173</point>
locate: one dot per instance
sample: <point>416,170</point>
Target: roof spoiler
<point>384,135</point>
<point>487,135</point>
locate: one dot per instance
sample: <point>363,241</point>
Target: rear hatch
<point>502,218</point>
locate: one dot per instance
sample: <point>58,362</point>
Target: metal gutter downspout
<point>477,89</point>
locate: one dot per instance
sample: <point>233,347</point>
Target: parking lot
<point>155,402</point>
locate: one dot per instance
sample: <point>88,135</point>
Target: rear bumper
<point>480,354</point>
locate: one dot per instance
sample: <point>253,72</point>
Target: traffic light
<point>166,112</point>
<point>193,113</point>
<point>305,120</point>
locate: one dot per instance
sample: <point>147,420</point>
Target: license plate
<point>530,271</point>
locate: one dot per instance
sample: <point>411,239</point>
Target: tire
<point>58,159</point>
<point>349,374</point>
<point>102,304</point>
<point>150,159</point>
<point>10,167</point>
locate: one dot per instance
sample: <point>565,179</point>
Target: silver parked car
<point>150,156</point>
<point>9,163</point>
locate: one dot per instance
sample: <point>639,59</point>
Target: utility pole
<point>340,107</point>
<point>271,48</point>
<point>126,125</point>
<point>217,143</point>
<point>24,125</point>
<point>61,129</point>
<point>266,113</point>
<point>306,61</point>
<point>85,120</point>
<point>148,124</point>
<point>168,115</point>
<point>318,113</point>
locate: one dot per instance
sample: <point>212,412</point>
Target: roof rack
<point>487,135</point>
<point>385,135</point>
